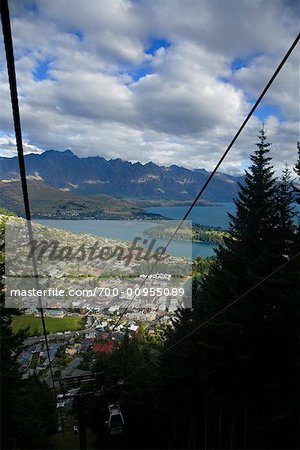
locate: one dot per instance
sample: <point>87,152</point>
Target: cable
<point>8,43</point>
<point>263,93</point>
<point>221,311</point>
<point>15,107</point>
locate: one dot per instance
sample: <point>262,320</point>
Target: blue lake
<point>128,230</point>
<point>215,216</point>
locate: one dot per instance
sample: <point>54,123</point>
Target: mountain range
<point>96,175</point>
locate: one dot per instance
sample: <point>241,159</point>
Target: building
<point>55,313</point>
<point>104,347</point>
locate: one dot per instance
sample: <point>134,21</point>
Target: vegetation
<point>236,376</point>
<point>226,374</point>
<point>202,266</point>
<point>138,354</point>
<point>6,212</point>
<point>199,233</point>
<point>297,171</point>
<point>53,324</point>
<point>213,235</point>
<point>28,414</point>
<point>47,201</point>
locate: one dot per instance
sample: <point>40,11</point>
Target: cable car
<point>60,401</point>
<point>115,421</point>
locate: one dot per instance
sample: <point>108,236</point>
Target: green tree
<point>130,372</point>
<point>231,383</point>
<point>28,415</point>
<point>297,171</point>
<point>286,211</point>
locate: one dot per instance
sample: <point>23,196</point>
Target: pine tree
<point>134,357</point>
<point>285,199</point>
<point>256,218</point>
<point>28,415</point>
<point>233,374</point>
<point>297,165</point>
<point>297,171</point>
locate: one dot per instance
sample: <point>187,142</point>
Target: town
<point>73,353</point>
<point>89,304</point>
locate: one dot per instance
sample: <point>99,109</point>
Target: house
<point>54,313</point>
<point>71,351</point>
<point>90,335</point>
<point>104,347</point>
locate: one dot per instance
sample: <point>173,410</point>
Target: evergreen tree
<point>28,415</point>
<point>231,384</point>
<point>136,357</point>
<point>297,171</point>
<point>297,165</point>
<point>285,199</point>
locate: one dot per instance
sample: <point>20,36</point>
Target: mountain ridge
<point>120,178</point>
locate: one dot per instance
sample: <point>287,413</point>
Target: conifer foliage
<point>28,415</point>
<point>232,382</point>
<point>297,171</point>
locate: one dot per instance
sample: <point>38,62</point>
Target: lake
<point>127,230</point>
<point>215,215</point>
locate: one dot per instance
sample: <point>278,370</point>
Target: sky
<point>168,81</point>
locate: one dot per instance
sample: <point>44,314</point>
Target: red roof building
<point>104,347</point>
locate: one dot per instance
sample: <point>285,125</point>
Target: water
<point>127,230</point>
<point>214,216</point>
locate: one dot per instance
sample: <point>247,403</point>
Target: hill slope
<point>47,201</point>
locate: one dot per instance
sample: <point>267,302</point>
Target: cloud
<point>148,80</point>
<point>9,144</point>
<point>183,97</point>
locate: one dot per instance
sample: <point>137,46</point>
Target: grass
<point>53,324</point>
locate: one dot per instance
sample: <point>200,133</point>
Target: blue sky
<point>41,72</point>
<point>244,61</point>
<point>264,111</point>
<point>155,44</point>
<point>139,71</point>
<point>164,81</point>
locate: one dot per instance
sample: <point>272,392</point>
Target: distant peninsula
<point>198,233</point>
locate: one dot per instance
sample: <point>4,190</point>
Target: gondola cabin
<point>115,421</point>
<point>60,401</point>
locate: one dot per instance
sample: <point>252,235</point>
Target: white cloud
<point>9,144</point>
<point>101,94</point>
